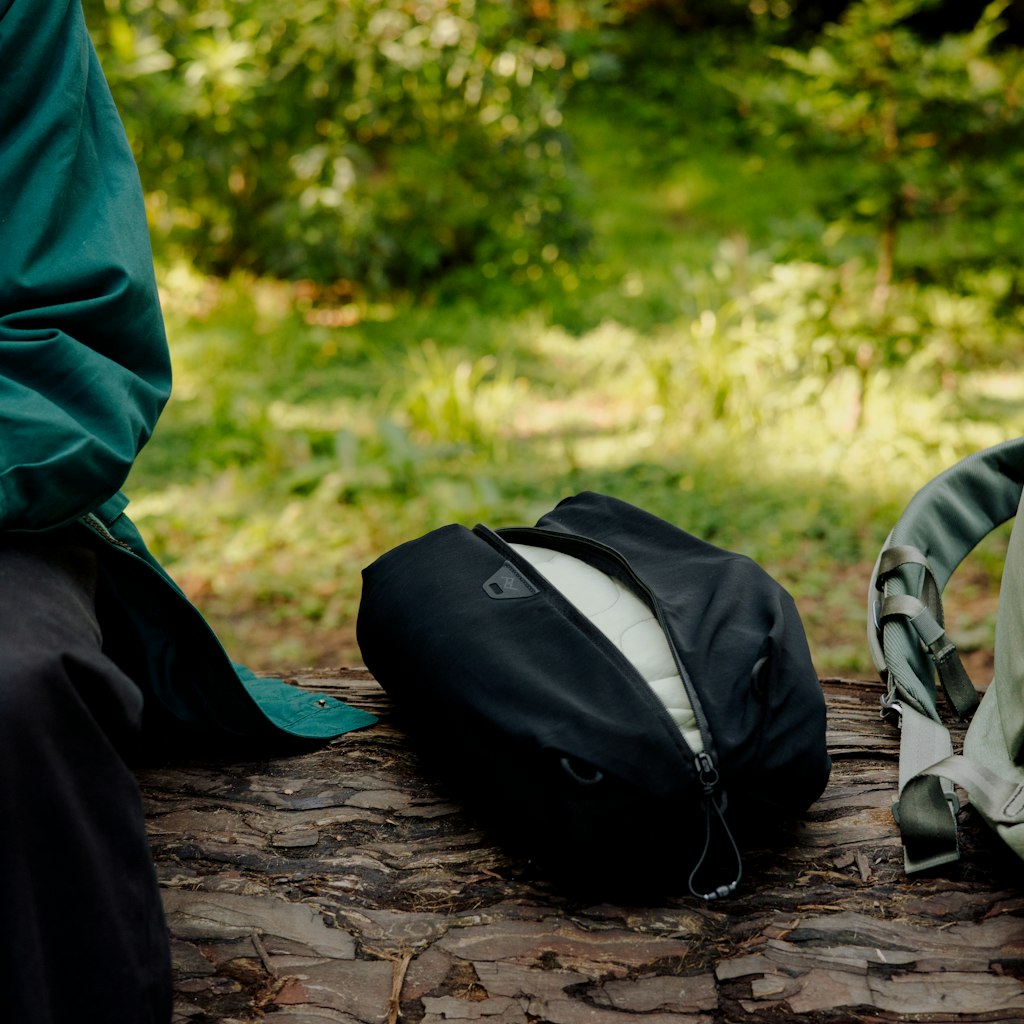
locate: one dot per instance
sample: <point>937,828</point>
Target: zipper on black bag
<point>704,762</point>
<point>713,815</point>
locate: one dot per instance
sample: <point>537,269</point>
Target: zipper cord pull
<point>708,775</point>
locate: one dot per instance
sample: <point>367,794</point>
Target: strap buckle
<point>891,708</point>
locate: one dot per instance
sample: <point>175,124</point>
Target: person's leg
<point>82,933</point>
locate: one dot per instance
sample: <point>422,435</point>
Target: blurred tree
<point>921,128</point>
<point>376,141</point>
<point>924,125</point>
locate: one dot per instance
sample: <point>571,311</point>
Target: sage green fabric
<point>926,811</point>
<point>995,736</point>
<point>85,372</point>
<point>944,522</point>
<point>985,747</point>
<point>1009,656</point>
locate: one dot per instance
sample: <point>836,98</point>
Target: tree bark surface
<point>343,886</point>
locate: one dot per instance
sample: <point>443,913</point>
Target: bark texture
<point>343,887</point>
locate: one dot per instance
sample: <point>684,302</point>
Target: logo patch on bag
<point>508,583</point>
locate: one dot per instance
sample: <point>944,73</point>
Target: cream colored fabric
<point>627,622</point>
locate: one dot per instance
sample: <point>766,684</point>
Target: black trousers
<point>82,932</point>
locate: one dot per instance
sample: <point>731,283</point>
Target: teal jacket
<point>85,372</point>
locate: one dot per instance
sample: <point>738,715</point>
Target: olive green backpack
<point>942,523</point>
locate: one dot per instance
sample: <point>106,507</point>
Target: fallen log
<point>344,886</point>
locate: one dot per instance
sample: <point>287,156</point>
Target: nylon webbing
<point>942,523</point>
<point>925,811</point>
<point>1000,800</point>
<point>900,555</point>
<point>956,684</point>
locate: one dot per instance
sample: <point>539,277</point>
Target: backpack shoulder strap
<point>942,523</point>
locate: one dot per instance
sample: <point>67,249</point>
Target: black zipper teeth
<point>564,542</point>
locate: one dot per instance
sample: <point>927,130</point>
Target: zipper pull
<point>707,774</point>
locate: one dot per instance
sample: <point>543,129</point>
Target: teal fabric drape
<point>84,368</point>
<point>85,371</point>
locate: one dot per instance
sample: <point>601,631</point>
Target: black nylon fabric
<point>433,638</point>
<point>740,639</point>
<point>535,716</point>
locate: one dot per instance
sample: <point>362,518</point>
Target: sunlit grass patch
<point>715,362</point>
<point>274,481</point>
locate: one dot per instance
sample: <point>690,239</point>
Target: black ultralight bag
<point>545,725</point>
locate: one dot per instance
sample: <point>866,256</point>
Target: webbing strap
<point>927,625</point>
<point>927,807</point>
<point>943,522</point>
<point>1000,800</point>
<point>900,555</point>
<point>926,811</point>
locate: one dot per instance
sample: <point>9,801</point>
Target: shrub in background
<point>376,141</point>
<point>921,130</point>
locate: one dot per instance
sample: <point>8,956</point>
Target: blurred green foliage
<point>653,274</point>
<point>925,128</point>
<point>377,145</point>
<point>377,141</point>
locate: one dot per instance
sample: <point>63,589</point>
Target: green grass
<point>307,435</point>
